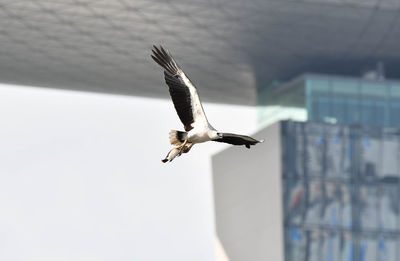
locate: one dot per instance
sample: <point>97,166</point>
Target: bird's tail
<point>177,138</point>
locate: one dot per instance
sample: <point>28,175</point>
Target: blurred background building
<point>339,172</point>
<point>231,49</point>
<point>322,187</point>
<point>333,195</point>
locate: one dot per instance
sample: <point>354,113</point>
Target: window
<point>370,157</point>
<point>390,156</point>
<point>345,206</point>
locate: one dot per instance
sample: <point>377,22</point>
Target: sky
<point>82,179</point>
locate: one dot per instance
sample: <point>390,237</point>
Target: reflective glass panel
<point>296,243</point>
<point>295,202</point>
<point>314,245</point>
<point>371,157</point>
<point>332,205</point>
<point>388,198</point>
<point>331,245</point>
<point>368,207</point>
<point>338,153</point>
<point>313,208</point>
<point>346,206</point>
<point>386,249</point>
<point>390,156</point>
<point>347,252</point>
<point>368,249</point>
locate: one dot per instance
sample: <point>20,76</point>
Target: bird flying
<point>190,111</point>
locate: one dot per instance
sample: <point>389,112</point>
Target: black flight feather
<point>236,139</point>
<point>165,60</point>
<point>180,96</point>
<point>178,90</point>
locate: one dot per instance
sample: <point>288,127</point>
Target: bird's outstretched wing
<point>236,139</point>
<point>183,93</point>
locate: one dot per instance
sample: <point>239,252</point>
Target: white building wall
<point>248,199</point>
<point>82,178</point>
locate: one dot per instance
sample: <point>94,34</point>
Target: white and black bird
<point>190,111</point>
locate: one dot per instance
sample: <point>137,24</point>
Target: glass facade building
<point>334,99</point>
<point>340,192</point>
<point>335,158</point>
<point>352,100</point>
<point>341,180</point>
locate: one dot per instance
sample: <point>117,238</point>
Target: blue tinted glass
<point>314,244</point>
<point>347,252</point>
<point>394,112</point>
<point>296,244</point>
<point>353,111</point>
<point>339,110</point>
<point>388,206</point>
<point>331,245</point>
<point>338,154</point>
<point>332,205</point>
<point>394,105</point>
<point>315,156</point>
<point>390,156</point>
<point>345,93</point>
<point>324,108</point>
<point>368,249</point>
<point>352,101</point>
<point>370,157</point>
<point>295,202</point>
<point>319,97</point>
<point>372,112</point>
<point>387,249</point>
<point>373,96</point>
<point>346,205</point>
<point>313,208</point>
<point>374,90</point>
<point>368,207</point>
